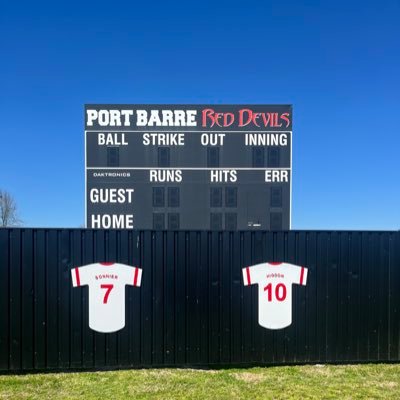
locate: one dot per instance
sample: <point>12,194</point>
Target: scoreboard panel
<point>179,167</point>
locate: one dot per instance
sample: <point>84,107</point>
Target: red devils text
<point>245,117</point>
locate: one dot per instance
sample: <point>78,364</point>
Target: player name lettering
<point>275,275</point>
<point>212,139</point>
<point>106,276</point>
<point>113,221</point>
<point>273,175</point>
<point>111,139</point>
<point>165,175</point>
<point>265,139</point>
<point>111,195</point>
<point>225,175</point>
<point>164,139</point>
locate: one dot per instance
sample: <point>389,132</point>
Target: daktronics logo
<point>244,117</point>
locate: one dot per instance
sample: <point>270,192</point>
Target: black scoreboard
<point>176,167</point>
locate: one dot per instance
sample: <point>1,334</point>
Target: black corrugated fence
<point>192,308</point>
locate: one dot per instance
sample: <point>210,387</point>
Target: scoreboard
<point>199,167</point>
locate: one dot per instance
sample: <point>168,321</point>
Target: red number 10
<point>280,291</point>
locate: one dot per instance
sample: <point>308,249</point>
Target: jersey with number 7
<point>274,291</point>
<point>106,283</point>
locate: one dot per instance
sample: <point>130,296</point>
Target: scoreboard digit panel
<point>191,152</point>
<point>178,167</point>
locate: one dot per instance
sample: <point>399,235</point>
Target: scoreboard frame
<point>109,128</point>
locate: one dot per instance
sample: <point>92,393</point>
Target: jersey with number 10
<point>274,291</point>
<point>106,283</point>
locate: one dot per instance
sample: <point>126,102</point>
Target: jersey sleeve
<point>299,275</point>
<point>79,276</point>
<point>250,274</point>
<point>137,276</point>
<point>131,275</point>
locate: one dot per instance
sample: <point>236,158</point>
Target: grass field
<point>300,382</point>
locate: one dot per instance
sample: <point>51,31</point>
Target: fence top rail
<point>293,231</point>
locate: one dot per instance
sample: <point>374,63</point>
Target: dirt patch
<point>248,377</point>
<point>388,385</point>
<point>203,371</point>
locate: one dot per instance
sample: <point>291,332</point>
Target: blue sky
<point>338,63</point>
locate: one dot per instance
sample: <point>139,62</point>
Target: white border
<point>85,185</point>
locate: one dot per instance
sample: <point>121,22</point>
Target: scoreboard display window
<point>181,167</point>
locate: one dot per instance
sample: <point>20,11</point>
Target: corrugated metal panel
<point>192,308</point>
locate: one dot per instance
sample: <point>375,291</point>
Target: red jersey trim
<point>107,264</point>
<point>135,279</point>
<point>78,280</point>
<point>274,263</point>
<point>248,275</point>
<point>301,275</point>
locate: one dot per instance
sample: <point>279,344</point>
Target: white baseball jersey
<point>106,283</point>
<point>274,291</point>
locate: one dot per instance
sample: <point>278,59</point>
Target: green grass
<point>299,382</point>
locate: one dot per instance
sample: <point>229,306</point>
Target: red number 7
<point>109,288</point>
